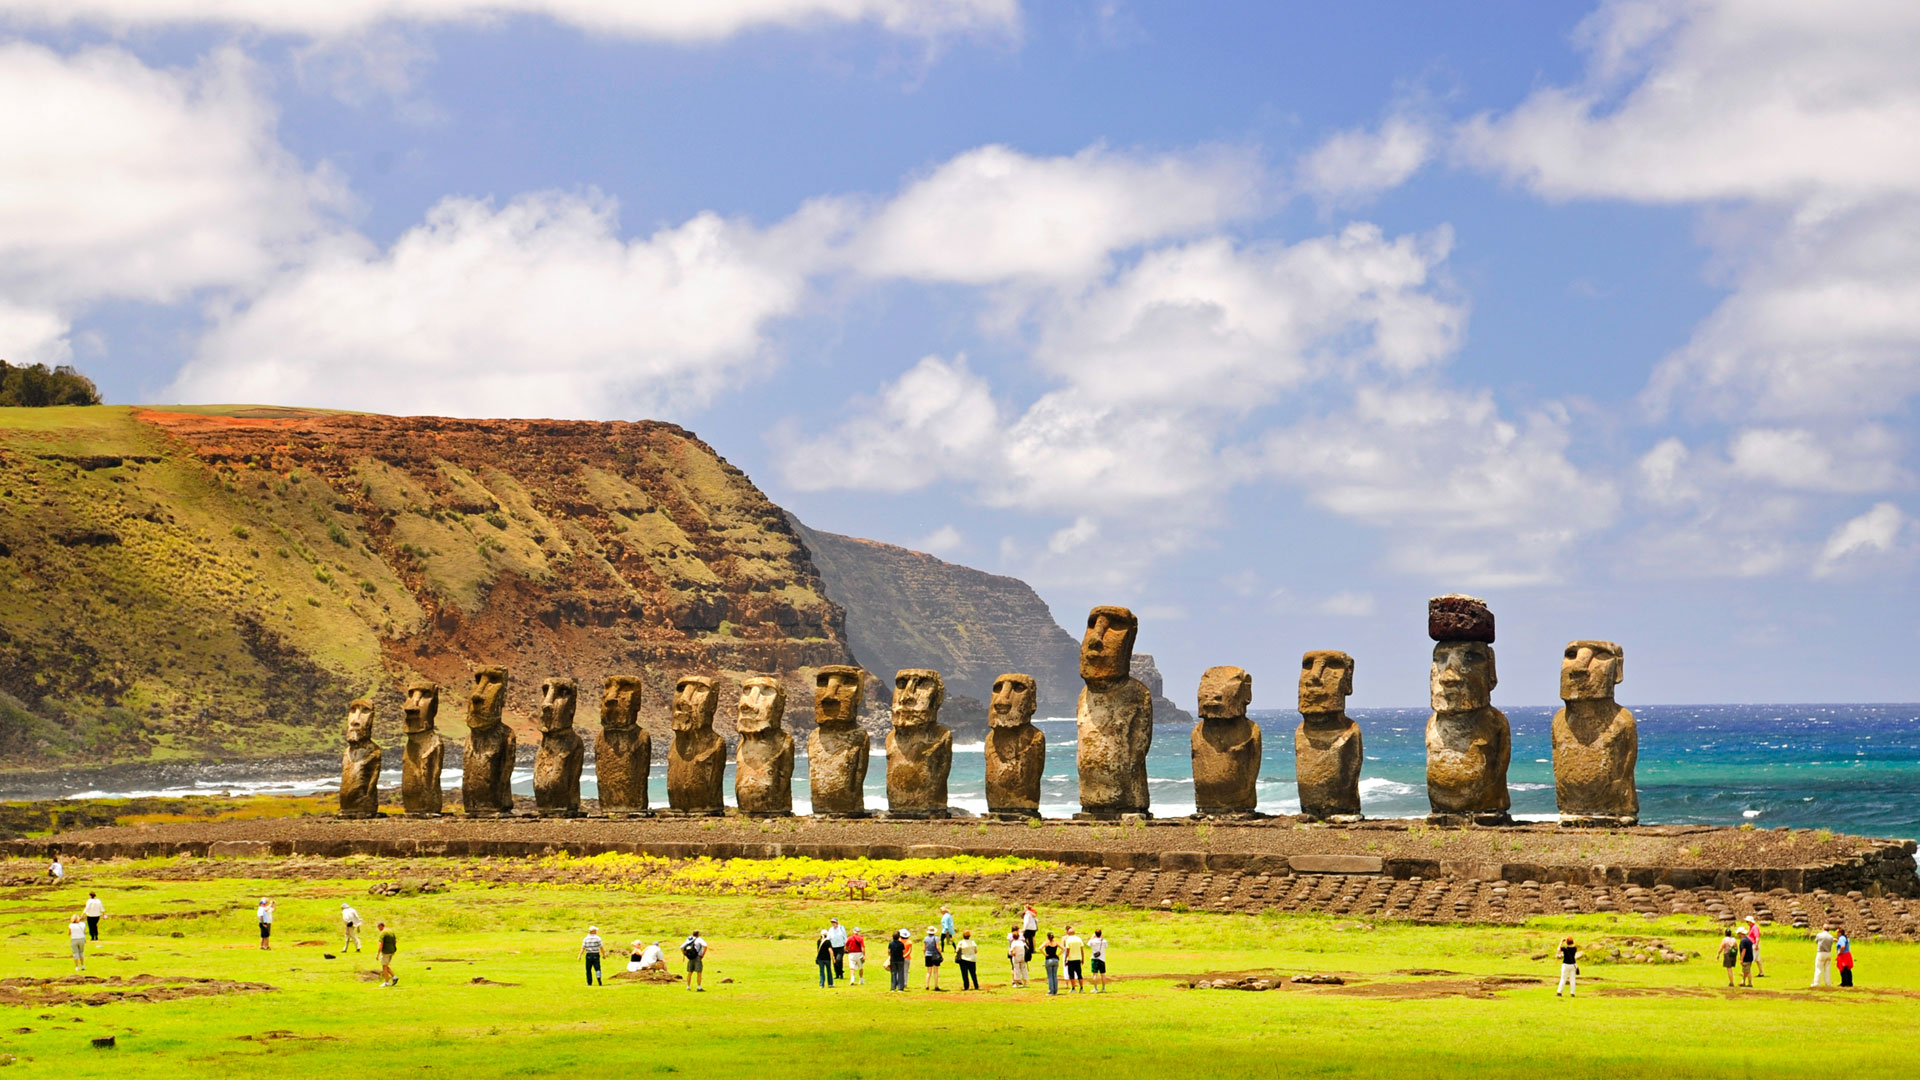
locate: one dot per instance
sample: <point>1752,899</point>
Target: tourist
<point>56,872</point>
<point>695,950</point>
<point>1569,968</point>
<point>350,919</point>
<point>897,962</point>
<point>1017,956</point>
<point>77,937</point>
<point>946,927</point>
<point>1075,951</point>
<point>264,913</point>
<point>650,958</point>
<point>1843,958</point>
<point>1753,934</point>
<point>1729,954</point>
<point>856,955</point>
<point>1097,956</point>
<point>1052,958</point>
<point>94,910</point>
<point>837,938</point>
<point>1748,947</point>
<point>590,949</point>
<point>1823,958</point>
<point>933,958</point>
<point>389,944</point>
<point>1030,928</point>
<point>823,959</point>
<point>967,952</point>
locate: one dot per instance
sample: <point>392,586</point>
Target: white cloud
<point>938,419</point>
<point>672,20</point>
<point>945,540</point>
<point>536,308</point>
<point>1859,460</point>
<point>1873,532</point>
<point>30,335</point>
<point>1353,166</point>
<point>1352,605</point>
<point>994,214</point>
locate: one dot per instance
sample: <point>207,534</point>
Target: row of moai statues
<point>1595,741</point>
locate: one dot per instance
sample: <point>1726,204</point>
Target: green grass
<point>771,1020</point>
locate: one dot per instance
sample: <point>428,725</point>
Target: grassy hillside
<point>220,582</point>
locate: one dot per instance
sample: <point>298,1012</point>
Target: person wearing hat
<point>933,957</point>
<point>898,946</point>
<point>590,949</point>
<point>837,940</point>
<point>645,959</point>
<point>1753,935</point>
<point>856,956</point>
<point>350,919</point>
<point>264,913</point>
<point>946,927</point>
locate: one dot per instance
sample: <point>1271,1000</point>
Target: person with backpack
<point>933,958</point>
<point>695,950</point>
<point>350,919</point>
<point>591,947</point>
<point>389,944</point>
<point>1569,968</point>
<point>1729,955</point>
<point>823,959</point>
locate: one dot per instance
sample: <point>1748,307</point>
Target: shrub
<point>35,386</point>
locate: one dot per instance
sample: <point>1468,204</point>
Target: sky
<point>1266,320</point>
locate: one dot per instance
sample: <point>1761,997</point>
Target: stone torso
<point>1593,761</point>
<point>556,771</point>
<point>837,769</point>
<point>1327,755</point>
<point>696,767</point>
<point>1114,733</point>
<point>1016,760</point>
<point>1226,765</point>
<point>486,779</point>
<point>763,779</point>
<point>1467,756</point>
<point>420,773</point>
<point>360,779</point>
<point>622,764</point>
<point>918,761</point>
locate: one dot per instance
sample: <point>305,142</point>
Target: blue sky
<point>1267,320</point>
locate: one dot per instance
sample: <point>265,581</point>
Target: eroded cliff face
<point>221,582</point>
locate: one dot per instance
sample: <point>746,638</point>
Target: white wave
<point>1535,817</point>
<point>1529,787</point>
<point>969,748</point>
<point>1750,813</point>
<point>1380,786</point>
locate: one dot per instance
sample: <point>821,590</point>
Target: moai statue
<point>838,749</point>
<point>697,756</point>
<point>1327,751</point>
<point>1468,742</point>
<point>623,755</point>
<point>360,764</point>
<point>1016,750</point>
<point>420,762</point>
<point>919,748</point>
<point>562,753</point>
<point>763,776</point>
<point>1596,743</point>
<point>1226,746</point>
<point>486,779</point>
<point>1116,719</point>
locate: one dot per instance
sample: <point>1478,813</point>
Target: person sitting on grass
<point>389,944</point>
<point>590,949</point>
<point>695,950</point>
<point>1569,968</point>
<point>646,958</point>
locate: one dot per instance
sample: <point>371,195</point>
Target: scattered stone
<point>103,1042</point>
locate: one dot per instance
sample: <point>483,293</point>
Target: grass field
<point>763,1014</point>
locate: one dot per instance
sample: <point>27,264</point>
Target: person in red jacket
<point>856,958</point>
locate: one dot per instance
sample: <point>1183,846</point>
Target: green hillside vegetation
<point>35,386</point>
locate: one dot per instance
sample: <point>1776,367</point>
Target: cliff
<point>1164,710</point>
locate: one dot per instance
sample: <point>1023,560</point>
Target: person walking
<point>1097,959</point>
<point>1729,954</point>
<point>837,939</point>
<point>94,910</point>
<point>1753,934</point>
<point>933,957</point>
<point>1051,954</point>
<point>1030,928</point>
<point>1569,968</point>
<point>1075,951</point>
<point>77,938</point>
<point>856,955</point>
<point>1843,958</point>
<point>350,920</point>
<point>823,959</point>
<point>1017,956</point>
<point>967,952</point>
<point>946,927</point>
<point>695,950</point>
<point>1747,951</point>
<point>1823,958</point>
<point>389,944</point>
<point>590,949</point>
<point>265,914</point>
<point>897,962</point>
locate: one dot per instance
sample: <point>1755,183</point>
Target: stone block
<point>239,849</point>
<point>1337,864</point>
<point>1222,860</point>
<point>1183,860</point>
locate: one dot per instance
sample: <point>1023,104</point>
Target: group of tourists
<point>642,956</point>
<point>1832,948</point>
<point>841,955</point>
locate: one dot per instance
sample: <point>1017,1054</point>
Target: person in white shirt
<point>1030,928</point>
<point>837,938</point>
<point>1097,957</point>
<point>590,948</point>
<point>350,919</point>
<point>695,950</point>
<point>77,935</point>
<point>95,909</point>
<point>265,914</point>
<point>57,872</point>
<point>647,958</point>
<point>1017,956</point>
<point>1823,957</point>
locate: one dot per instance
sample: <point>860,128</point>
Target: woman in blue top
<point>946,928</point>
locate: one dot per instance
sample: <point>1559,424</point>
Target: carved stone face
<point>917,695</point>
<point>1225,692</point>
<point>1014,699</point>
<point>694,699</point>
<point>620,703</point>
<point>488,698</point>
<point>1463,676</point>
<point>1326,678</point>
<point>558,698</point>
<point>1106,652</point>
<point>1590,670</point>
<point>360,721</point>
<point>763,701</point>
<point>836,696</point>
<point>423,704</point>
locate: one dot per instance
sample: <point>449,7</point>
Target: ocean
<point>1850,768</point>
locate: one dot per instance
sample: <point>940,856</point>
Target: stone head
<point>1106,652</point>
<point>1015,697</point>
<point>694,700</point>
<point>1463,676</point>
<point>360,720</point>
<point>620,703</point>
<point>763,701</point>
<point>558,698</point>
<point>1326,678</point>
<point>422,706</point>
<point>1590,670</point>
<point>836,695</point>
<point>917,695</point>
<point>1225,692</point>
<point>488,698</point>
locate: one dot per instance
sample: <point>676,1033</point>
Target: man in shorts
<point>1747,950</point>
<point>695,950</point>
<point>1074,948</point>
<point>856,957</point>
<point>1097,963</point>
<point>265,914</point>
<point>389,944</point>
